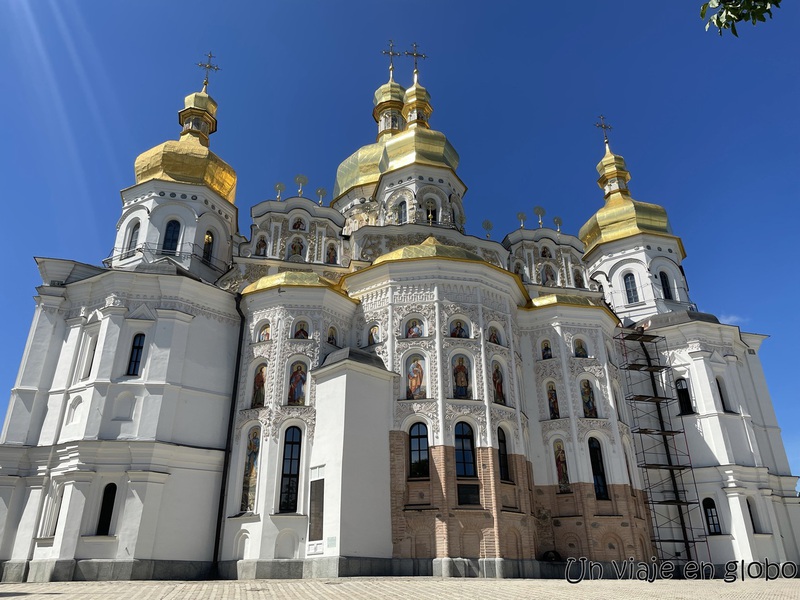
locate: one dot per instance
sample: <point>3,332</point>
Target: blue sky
<point>708,126</point>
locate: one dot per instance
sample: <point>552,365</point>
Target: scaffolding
<point>662,452</point>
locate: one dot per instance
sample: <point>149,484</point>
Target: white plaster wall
<point>354,405</point>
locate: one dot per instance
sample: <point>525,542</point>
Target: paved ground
<point>400,587</point>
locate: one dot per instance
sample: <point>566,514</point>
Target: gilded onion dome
<point>188,159</point>
<point>622,216</point>
<point>404,138</point>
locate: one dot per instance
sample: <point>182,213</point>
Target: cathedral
<point>362,388</point>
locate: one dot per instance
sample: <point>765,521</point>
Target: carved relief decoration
<point>281,414</point>
<point>475,411</point>
<point>429,409</point>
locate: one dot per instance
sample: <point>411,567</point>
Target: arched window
<point>502,454</point>
<point>465,451</point>
<point>208,246</point>
<point>752,512</point>
<point>290,472</point>
<point>723,400</point>
<point>712,518</point>
<point>418,451</point>
<point>135,361</point>
<point>630,288</point>
<point>430,211</point>
<point>402,212</point>
<point>106,509</point>
<point>133,240</point>
<point>598,470</point>
<point>172,235</point>
<point>684,400</point>
<point>667,290</point>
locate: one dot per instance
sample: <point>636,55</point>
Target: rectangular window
<point>469,494</point>
<point>51,513</point>
<point>90,347</point>
<point>135,360</point>
<point>290,471</point>
<point>316,510</point>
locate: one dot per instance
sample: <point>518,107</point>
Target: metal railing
<point>182,253</point>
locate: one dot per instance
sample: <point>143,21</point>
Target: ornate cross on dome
<point>416,56</point>
<point>391,54</point>
<point>604,126</point>
<point>208,66</point>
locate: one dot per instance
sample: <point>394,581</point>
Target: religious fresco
<point>330,255</point>
<point>587,397</point>
<point>373,336</point>
<point>259,384</point>
<point>264,333</point>
<point>561,467</point>
<point>459,329</point>
<point>301,330</point>
<point>414,329</point>
<point>415,376</point>
<point>250,470</point>
<point>498,391</point>
<point>461,377</point>
<point>552,401</point>
<point>297,384</point>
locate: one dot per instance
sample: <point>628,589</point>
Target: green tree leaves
<point>726,13</point>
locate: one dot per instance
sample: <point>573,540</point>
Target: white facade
<point>365,389</point>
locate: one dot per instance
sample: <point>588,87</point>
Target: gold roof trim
<point>287,279</point>
<point>561,299</point>
<point>430,248</point>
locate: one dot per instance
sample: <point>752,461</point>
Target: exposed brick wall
<point>516,519</point>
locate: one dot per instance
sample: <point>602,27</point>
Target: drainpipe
<point>229,441</point>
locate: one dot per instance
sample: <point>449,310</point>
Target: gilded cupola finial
<point>391,54</point>
<point>417,107</point>
<point>416,55</point>
<point>605,127</point>
<point>388,111</point>
<point>188,160</point>
<point>208,66</point>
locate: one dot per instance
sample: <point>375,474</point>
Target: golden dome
<point>622,216</point>
<point>421,146</point>
<point>287,279</point>
<point>391,91</point>
<point>417,144</point>
<point>362,167</point>
<point>188,160</point>
<point>430,248</point>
